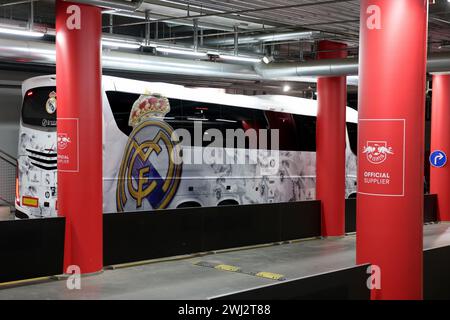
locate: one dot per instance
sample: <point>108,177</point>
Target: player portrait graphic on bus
<point>149,175</point>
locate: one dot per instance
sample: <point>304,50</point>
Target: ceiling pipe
<point>181,22</point>
<point>43,53</point>
<point>271,37</point>
<point>437,62</point>
<point>329,67</point>
<point>131,5</point>
<point>132,42</point>
<point>142,63</point>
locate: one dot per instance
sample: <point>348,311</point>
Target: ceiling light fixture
<point>267,59</point>
<point>180,51</point>
<point>120,44</point>
<point>240,58</point>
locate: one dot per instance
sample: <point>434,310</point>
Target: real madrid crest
<point>50,105</point>
<point>149,174</point>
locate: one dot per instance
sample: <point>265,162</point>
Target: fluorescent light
<point>120,44</point>
<point>286,88</point>
<point>22,32</point>
<point>150,44</point>
<point>180,51</point>
<point>240,58</point>
<point>213,52</point>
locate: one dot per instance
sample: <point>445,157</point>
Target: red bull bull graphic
<point>63,141</point>
<point>67,142</point>
<point>377,151</point>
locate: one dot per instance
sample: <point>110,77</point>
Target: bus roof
<point>278,103</point>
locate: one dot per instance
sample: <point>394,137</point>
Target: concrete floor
<point>182,279</point>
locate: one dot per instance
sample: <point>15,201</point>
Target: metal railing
<point>8,166</point>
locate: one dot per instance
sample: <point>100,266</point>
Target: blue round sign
<point>438,159</point>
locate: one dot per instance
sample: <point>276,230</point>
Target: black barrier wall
<point>345,284</point>
<point>429,212</point>
<point>430,208</point>
<point>436,273</point>
<point>34,248</point>
<point>142,236</point>
<point>350,215</point>
<point>31,248</point>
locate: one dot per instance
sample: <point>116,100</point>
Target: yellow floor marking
<point>270,275</point>
<point>229,268</point>
<point>225,267</point>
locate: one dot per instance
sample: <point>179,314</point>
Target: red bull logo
<point>377,151</point>
<point>63,141</point>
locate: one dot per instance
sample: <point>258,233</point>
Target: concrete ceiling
<point>335,19</point>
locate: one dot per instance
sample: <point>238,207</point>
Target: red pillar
<point>392,78</point>
<point>78,83</point>
<point>440,140</point>
<point>330,136</point>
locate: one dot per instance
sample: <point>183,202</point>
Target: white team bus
<point>135,112</point>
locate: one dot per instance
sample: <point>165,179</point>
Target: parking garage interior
<point>91,92</point>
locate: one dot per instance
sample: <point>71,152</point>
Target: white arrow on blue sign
<point>438,159</point>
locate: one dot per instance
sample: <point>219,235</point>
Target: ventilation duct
<point>39,52</point>
<point>329,67</point>
<point>271,37</point>
<point>43,53</point>
<point>439,62</point>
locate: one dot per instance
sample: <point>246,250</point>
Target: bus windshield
<point>39,107</point>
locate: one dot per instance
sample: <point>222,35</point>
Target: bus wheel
<point>189,204</point>
<point>228,203</point>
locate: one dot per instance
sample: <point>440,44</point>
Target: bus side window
<point>121,104</point>
<point>188,112</point>
<point>242,118</point>
<point>306,132</point>
<point>352,129</point>
<point>286,125</point>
